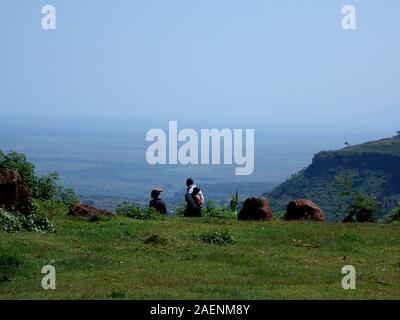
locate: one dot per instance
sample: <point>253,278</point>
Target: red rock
<point>303,209</point>
<point>84,210</point>
<point>14,193</point>
<point>255,209</point>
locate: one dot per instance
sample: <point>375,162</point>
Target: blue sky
<point>253,63</point>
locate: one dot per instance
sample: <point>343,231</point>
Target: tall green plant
<point>360,207</point>
<point>394,214</point>
<point>234,202</point>
<point>46,186</point>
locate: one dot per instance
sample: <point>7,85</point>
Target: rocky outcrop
<point>303,209</point>
<point>14,193</point>
<point>256,209</point>
<point>84,210</point>
<point>372,168</point>
<point>330,163</point>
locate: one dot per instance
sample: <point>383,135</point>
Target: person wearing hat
<point>156,202</point>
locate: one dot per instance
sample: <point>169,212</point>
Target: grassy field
<point>123,259</point>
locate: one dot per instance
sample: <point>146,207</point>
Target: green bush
<point>9,222</point>
<point>362,209</point>
<point>36,223</point>
<point>218,237</point>
<point>394,215</point>
<point>17,161</point>
<point>44,187</point>
<point>67,196</point>
<point>15,221</point>
<point>234,203</point>
<point>139,213</point>
<point>48,208</point>
<point>180,211</point>
<point>211,210</point>
<point>279,215</point>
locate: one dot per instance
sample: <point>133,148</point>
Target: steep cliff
<point>373,167</point>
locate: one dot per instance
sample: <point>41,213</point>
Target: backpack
<point>201,198</point>
<point>198,198</point>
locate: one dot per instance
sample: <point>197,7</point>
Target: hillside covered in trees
<point>371,168</point>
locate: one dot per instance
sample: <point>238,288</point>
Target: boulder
<point>255,209</point>
<point>14,193</point>
<point>84,210</point>
<point>303,209</point>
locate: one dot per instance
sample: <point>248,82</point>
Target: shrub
<point>17,161</point>
<point>36,223</point>
<point>217,237</point>
<point>213,211</point>
<point>67,196</point>
<point>279,215</point>
<point>40,224</point>
<point>48,208</point>
<point>362,209</point>
<point>180,211</point>
<point>15,221</point>
<point>155,239</point>
<point>139,213</point>
<point>394,215</point>
<point>46,186</point>
<point>9,222</point>
<point>234,203</point>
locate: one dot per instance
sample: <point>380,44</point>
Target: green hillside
<point>373,167</point>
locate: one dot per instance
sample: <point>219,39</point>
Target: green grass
<point>129,259</point>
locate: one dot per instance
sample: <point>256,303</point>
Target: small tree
<point>67,196</point>
<point>43,187</point>
<point>234,202</point>
<point>361,208</point>
<point>46,186</point>
<point>18,162</point>
<point>394,214</point>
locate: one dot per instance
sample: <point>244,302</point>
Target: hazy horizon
<point>107,158</point>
